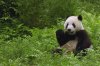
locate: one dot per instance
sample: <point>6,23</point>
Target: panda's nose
<point>69,30</point>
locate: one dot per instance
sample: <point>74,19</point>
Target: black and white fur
<point>73,38</point>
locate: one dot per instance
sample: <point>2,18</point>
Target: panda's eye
<point>73,25</point>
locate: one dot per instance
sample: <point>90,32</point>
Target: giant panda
<point>73,37</point>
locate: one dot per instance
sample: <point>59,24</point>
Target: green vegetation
<point>27,31</point>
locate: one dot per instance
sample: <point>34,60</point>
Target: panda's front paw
<point>57,51</point>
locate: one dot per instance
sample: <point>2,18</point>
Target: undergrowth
<point>36,50</point>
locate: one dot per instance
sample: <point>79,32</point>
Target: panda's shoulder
<point>82,33</point>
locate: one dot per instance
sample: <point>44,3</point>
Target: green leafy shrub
<point>10,25</point>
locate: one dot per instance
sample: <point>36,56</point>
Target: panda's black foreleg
<point>61,37</point>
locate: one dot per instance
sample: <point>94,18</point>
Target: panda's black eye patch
<point>74,25</point>
<point>67,25</point>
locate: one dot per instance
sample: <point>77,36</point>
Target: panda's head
<point>73,24</point>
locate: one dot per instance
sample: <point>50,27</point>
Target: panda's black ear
<point>80,17</point>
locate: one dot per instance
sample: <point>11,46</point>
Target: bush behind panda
<point>73,38</point>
